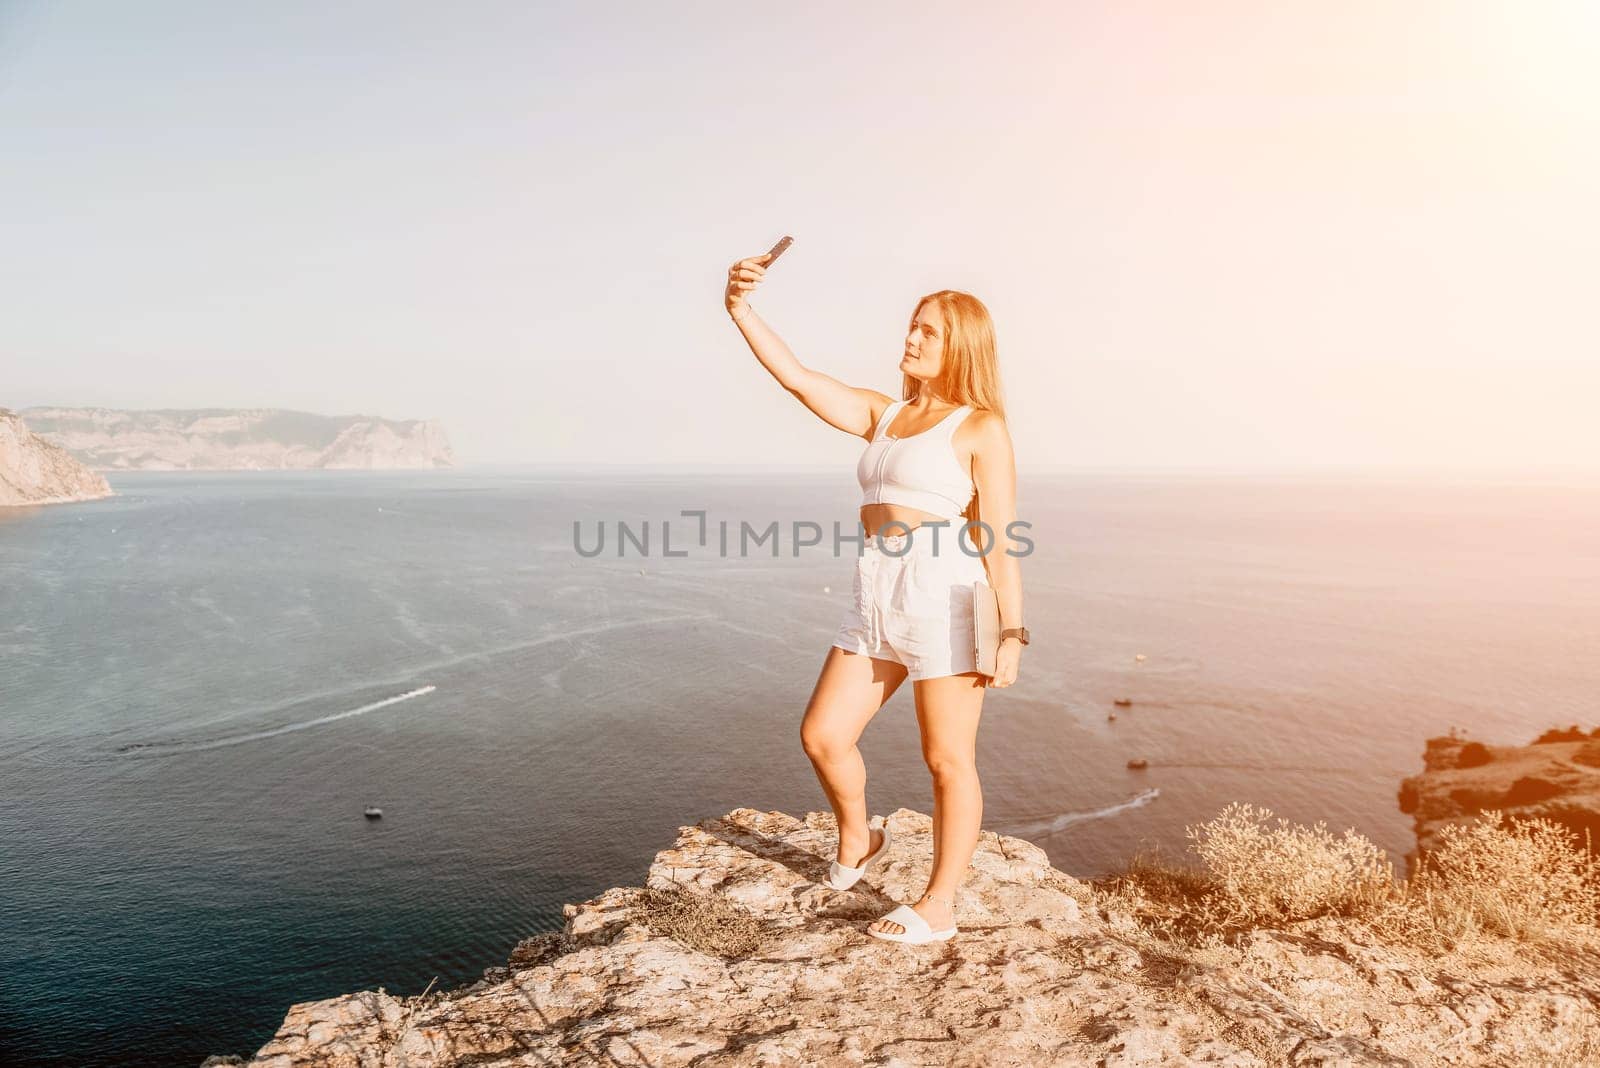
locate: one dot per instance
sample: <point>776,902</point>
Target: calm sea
<point>205,680</point>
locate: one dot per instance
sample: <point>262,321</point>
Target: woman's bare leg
<point>947,711</point>
<point>849,691</point>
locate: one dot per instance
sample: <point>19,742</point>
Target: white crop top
<point>919,470</point>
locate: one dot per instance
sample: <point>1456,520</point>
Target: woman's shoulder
<point>984,422</point>
<point>879,402</point>
<point>983,429</point>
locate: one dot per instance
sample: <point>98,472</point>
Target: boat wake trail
<point>240,739</point>
<point>1049,825</point>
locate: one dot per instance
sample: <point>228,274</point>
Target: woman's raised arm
<point>848,408</point>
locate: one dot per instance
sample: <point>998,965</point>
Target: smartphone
<point>777,250</point>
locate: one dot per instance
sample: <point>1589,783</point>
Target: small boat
<point>1122,702</point>
<point>1138,762</point>
<point>374,812</point>
<point>1110,716</point>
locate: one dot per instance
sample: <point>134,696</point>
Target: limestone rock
<point>34,471</point>
<point>734,953</point>
<point>1460,779</point>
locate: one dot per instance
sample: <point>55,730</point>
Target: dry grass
<point>1155,894</point>
<point>702,922</point>
<point>1522,879</point>
<point>1288,872</point>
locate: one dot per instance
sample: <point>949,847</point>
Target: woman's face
<point>924,344</point>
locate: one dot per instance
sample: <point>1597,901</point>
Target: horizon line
<point>831,470</point>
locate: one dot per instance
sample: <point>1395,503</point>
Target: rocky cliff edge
<point>1556,778</point>
<point>734,953</point>
<point>33,471</point>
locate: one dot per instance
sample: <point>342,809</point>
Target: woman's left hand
<point>1006,661</point>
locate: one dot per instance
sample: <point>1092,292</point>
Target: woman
<point>937,459</point>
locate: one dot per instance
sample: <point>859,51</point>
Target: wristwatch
<point>1020,633</point>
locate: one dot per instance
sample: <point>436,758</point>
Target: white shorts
<point>915,608</point>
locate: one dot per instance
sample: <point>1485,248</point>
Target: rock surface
<point>219,439</point>
<point>33,471</point>
<point>734,953</point>
<point>1559,781</point>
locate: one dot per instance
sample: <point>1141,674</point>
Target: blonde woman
<point>937,459</point>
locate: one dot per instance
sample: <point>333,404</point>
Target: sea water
<point>205,680</point>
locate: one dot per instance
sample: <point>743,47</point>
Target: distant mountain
<point>240,439</point>
<point>33,471</point>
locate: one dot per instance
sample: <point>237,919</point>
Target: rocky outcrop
<point>1558,780</point>
<point>734,953</point>
<point>211,439</point>
<point>33,471</point>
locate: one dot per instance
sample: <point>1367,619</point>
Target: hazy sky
<point>1273,234</point>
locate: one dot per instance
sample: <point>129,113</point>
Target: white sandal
<point>917,932</point>
<point>843,878</point>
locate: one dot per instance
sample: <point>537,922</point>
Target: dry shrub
<point>711,925</point>
<point>1161,908</point>
<point>1250,874</point>
<point>1158,895</point>
<point>1288,872</point>
<point>1523,878</point>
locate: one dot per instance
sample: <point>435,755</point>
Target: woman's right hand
<point>743,277</point>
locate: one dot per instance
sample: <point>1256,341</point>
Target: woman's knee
<point>823,744</point>
<point>948,767</point>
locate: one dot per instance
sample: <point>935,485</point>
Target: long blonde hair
<point>970,372</point>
